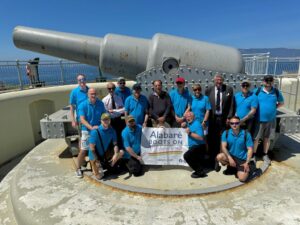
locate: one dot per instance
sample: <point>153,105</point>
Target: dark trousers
<point>134,166</point>
<point>249,126</point>
<point>216,126</point>
<point>195,157</point>
<point>118,124</point>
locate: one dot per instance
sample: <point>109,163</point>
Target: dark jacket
<point>227,101</point>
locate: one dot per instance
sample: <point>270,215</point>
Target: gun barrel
<point>128,56</point>
<point>80,48</point>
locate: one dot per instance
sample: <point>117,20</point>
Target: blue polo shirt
<point>180,101</point>
<point>236,143</point>
<point>78,96</point>
<point>267,103</point>
<point>199,106</point>
<point>123,94</point>
<point>244,104</point>
<point>107,135</point>
<point>195,127</point>
<point>132,138</point>
<point>91,112</point>
<point>137,108</point>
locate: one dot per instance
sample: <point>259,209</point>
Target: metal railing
<point>262,64</point>
<point>59,72</point>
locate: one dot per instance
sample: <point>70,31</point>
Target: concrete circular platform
<point>42,189</point>
<point>173,181</point>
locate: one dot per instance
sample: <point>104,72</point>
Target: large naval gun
<point>164,57</point>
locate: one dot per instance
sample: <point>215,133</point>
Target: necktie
<point>113,102</point>
<point>218,100</point>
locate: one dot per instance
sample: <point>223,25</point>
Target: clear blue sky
<point>240,24</point>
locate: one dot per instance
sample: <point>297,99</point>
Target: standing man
<point>90,112</point>
<point>104,151</point>
<point>160,106</point>
<point>269,99</point>
<point>122,91</point>
<point>197,148</point>
<point>114,106</point>
<point>246,104</point>
<point>222,108</point>
<point>180,98</point>
<point>137,105</point>
<point>77,96</point>
<point>132,136</point>
<point>237,148</point>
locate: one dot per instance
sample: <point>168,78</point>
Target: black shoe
<point>230,171</point>
<point>217,166</point>
<point>198,174</point>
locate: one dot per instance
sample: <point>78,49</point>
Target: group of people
<point>222,125</point>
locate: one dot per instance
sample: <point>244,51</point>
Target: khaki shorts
<point>263,130</point>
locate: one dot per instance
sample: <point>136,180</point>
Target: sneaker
<point>217,166</point>
<point>99,176</point>
<point>79,173</point>
<point>229,171</point>
<point>198,174</point>
<point>266,159</point>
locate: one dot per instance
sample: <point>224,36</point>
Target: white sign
<point>164,146</point>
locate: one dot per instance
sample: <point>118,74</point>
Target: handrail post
<point>62,77</point>
<point>19,74</point>
<point>275,67</point>
<point>253,65</point>
<point>267,66</point>
<point>296,96</point>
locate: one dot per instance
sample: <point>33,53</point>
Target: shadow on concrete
<point>285,148</point>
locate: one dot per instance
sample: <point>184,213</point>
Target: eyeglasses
<point>81,80</point>
<point>110,89</point>
<point>234,123</point>
<point>197,89</point>
<point>245,85</point>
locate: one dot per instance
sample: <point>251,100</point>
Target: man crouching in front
<point>197,148</point>
<point>237,149</point>
<point>104,151</point>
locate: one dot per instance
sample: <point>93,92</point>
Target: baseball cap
<point>136,87</point>
<point>246,81</point>
<point>130,118</point>
<point>121,79</point>
<point>105,116</point>
<point>180,80</point>
<point>268,77</point>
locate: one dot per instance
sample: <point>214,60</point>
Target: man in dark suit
<point>222,108</point>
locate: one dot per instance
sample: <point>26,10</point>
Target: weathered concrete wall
<point>20,114</point>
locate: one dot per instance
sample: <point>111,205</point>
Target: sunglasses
<point>197,89</point>
<point>245,85</point>
<point>81,80</point>
<point>121,82</point>
<point>234,123</point>
<point>110,89</point>
<point>179,82</point>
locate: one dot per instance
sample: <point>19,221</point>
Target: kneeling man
<point>131,136</point>
<point>104,150</point>
<point>197,148</point>
<point>237,149</point>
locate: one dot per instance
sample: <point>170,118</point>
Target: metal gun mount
<point>164,57</point>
